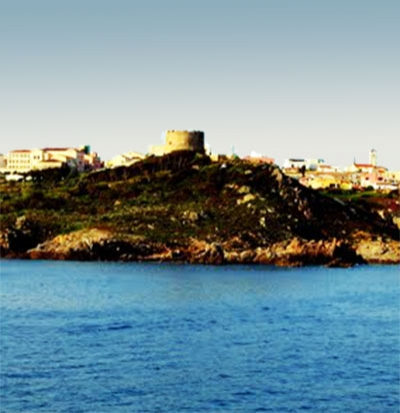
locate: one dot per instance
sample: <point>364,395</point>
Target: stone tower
<point>176,140</point>
<point>373,157</point>
<point>180,140</point>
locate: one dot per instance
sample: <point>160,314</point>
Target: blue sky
<point>299,78</point>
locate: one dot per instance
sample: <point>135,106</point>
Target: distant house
<point>327,168</point>
<point>259,160</point>
<point>366,168</point>
<point>370,179</point>
<point>329,180</point>
<point>320,181</point>
<point>392,175</point>
<point>294,163</point>
<point>361,167</point>
<point>125,159</point>
<point>25,160</point>
<point>299,163</point>
<point>378,181</point>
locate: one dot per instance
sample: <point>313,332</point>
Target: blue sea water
<point>118,337</point>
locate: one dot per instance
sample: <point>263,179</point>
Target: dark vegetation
<point>181,196</point>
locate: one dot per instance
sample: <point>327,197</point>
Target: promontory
<point>183,207</point>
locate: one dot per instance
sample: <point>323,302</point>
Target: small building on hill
<point>299,163</point>
<point>26,160</point>
<point>125,159</point>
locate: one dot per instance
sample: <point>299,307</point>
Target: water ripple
<point>77,338</point>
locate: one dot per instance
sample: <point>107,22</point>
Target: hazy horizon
<point>283,78</point>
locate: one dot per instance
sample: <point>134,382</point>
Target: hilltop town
<point>179,203</point>
<point>312,173</point>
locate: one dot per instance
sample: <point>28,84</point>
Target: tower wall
<point>184,140</point>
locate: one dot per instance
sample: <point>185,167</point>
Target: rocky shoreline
<point>102,245</point>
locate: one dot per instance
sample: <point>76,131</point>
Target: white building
<point>125,159</point>
<point>25,160</point>
<point>309,164</point>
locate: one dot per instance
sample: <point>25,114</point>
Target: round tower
<point>177,140</point>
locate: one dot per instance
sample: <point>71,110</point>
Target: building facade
<point>298,163</point>
<point>25,160</point>
<point>125,159</point>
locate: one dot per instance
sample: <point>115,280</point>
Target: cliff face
<point>182,207</point>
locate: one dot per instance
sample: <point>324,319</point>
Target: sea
<point>101,337</point>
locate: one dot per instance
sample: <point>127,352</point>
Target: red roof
<point>364,165</point>
<point>56,149</point>
<point>367,165</point>
<point>21,151</point>
<point>261,159</point>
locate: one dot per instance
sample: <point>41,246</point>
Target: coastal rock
<point>201,252</point>
<point>4,245</point>
<point>20,237</point>
<point>75,245</point>
<point>298,252</point>
<point>92,244</point>
<point>379,251</point>
<point>101,244</point>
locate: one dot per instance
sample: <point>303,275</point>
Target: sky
<point>283,78</point>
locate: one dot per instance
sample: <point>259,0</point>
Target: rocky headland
<point>184,208</point>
